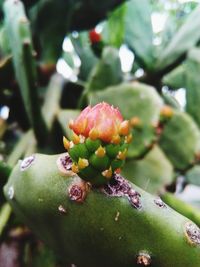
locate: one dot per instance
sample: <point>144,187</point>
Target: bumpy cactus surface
<point>55,60</point>
<point>117,224</point>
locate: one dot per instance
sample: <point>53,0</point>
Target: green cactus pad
<point>192,84</point>
<point>135,100</point>
<point>180,140</point>
<point>107,72</point>
<point>193,175</point>
<point>116,226</point>
<point>20,40</point>
<point>152,173</point>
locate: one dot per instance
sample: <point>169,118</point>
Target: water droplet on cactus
<point>62,210</point>
<point>143,258</point>
<point>160,203</point>
<point>27,162</point>
<point>11,192</point>
<point>192,232</point>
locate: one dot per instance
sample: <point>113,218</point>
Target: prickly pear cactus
<point>117,224</point>
<point>99,143</point>
<point>182,149</point>
<point>141,105</point>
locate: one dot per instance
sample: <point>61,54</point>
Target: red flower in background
<point>95,37</point>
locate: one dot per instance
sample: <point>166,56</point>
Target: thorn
<point>75,139</point>
<point>93,134</point>
<point>107,173</point>
<point>124,128</point>
<point>128,139</point>
<point>71,123</point>
<point>100,152</point>
<point>66,143</point>
<point>135,121</point>
<point>116,139</point>
<point>122,154</point>
<point>75,168</point>
<point>83,163</point>
<point>71,144</point>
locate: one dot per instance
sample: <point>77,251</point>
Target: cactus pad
<point>180,140</point>
<point>115,225</point>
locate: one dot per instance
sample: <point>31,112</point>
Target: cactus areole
<point>99,144</point>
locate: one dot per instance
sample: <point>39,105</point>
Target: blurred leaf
<point>114,27</point>
<point>83,49</point>
<point>152,173</point>
<point>193,84</point>
<point>138,31</point>
<point>176,78</point>
<point>193,175</point>
<point>56,18</point>
<point>191,195</point>
<point>107,71</point>
<point>171,101</point>
<point>20,40</point>
<point>180,140</point>
<point>186,37</point>
<point>64,117</point>
<point>182,207</point>
<point>4,42</point>
<point>6,71</point>
<point>52,99</point>
<point>134,100</point>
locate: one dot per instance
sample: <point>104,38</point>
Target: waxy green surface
<point>103,230</point>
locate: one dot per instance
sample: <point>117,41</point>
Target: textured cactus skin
<point>101,231</point>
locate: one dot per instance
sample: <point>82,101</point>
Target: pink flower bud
<point>103,118</point>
